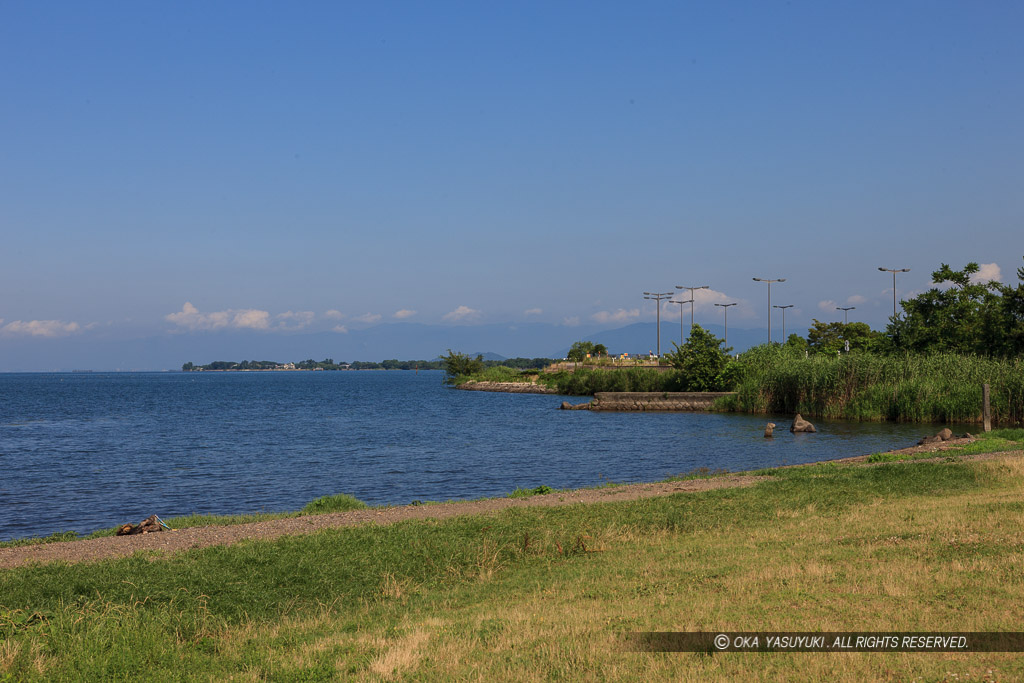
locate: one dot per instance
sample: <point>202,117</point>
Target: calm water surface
<point>85,451</point>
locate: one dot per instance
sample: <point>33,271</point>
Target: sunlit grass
<point>542,593</point>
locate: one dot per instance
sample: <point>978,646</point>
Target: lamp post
<point>658,296</point>
<point>761,279</point>
<point>894,271</point>
<point>681,304</point>
<point>784,320</point>
<point>692,289</point>
<point>846,311</point>
<point>725,309</point>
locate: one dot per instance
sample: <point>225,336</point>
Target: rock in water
<point>945,434</point>
<point>769,430</point>
<point>801,425</point>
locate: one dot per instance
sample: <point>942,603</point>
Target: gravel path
<point>96,549</point>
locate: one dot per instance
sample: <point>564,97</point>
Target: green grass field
<point>550,593</point>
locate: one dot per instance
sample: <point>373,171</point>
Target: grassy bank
<point>585,381</point>
<point>862,386</point>
<point>534,594</point>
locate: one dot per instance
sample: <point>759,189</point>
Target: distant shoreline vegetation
<point>328,364</point>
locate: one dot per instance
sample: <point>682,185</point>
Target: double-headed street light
<point>894,271</point>
<point>725,309</point>
<point>658,296</point>
<point>681,304</point>
<point>692,297</point>
<point>784,320</point>
<point>846,311</point>
<point>761,279</point>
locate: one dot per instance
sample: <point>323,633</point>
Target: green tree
<point>702,362</point>
<point>579,350</point>
<point>796,343</point>
<point>966,316</point>
<point>460,364</point>
<point>832,337</point>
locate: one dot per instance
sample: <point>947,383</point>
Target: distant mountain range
<point>403,341</point>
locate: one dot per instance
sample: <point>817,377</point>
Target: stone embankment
<point>507,387</point>
<point>629,401</point>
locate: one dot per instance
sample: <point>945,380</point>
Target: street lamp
<point>692,298</point>
<point>681,304</point>
<point>894,271</point>
<point>725,309</point>
<point>846,311</point>
<point>761,279</point>
<point>784,320</point>
<point>658,296</point>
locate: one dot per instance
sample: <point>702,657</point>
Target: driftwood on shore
<point>148,525</point>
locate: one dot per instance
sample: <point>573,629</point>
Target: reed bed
<point>588,381</point>
<point>937,387</point>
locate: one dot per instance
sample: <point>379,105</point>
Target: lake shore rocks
<point>801,425</point>
<point>507,387</point>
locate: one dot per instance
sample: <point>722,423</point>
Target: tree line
<point>391,364</point>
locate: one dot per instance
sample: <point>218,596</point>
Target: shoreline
<point>179,540</point>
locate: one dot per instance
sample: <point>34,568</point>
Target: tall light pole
<point>725,309</point>
<point>761,279</point>
<point>681,304</point>
<point>658,296</point>
<point>894,271</point>
<point>846,311</point>
<point>692,297</point>
<point>784,320</point>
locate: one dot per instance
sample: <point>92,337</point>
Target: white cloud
<point>461,313</point>
<point>987,272</point>
<point>295,320</point>
<point>856,300</point>
<point>621,315</point>
<point>533,311</point>
<point>251,319</point>
<point>827,305</point>
<point>190,318</point>
<point>334,315</point>
<point>341,329</point>
<point>41,328</point>
<point>571,321</point>
<point>704,298</point>
<point>404,313</point>
<point>367,318</point>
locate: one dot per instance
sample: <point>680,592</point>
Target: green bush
<point>336,503</point>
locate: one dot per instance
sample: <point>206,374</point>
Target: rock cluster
<point>148,525</point>
<point>801,425</point>
<point>945,435</point>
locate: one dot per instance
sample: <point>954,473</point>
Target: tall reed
<point>938,387</point>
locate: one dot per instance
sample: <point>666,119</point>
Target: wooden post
<point>986,409</point>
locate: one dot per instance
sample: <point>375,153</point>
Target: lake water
<point>92,450</point>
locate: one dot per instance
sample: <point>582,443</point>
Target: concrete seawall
<point>507,387</point>
<point>624,401</point>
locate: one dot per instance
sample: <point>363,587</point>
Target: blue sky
<point>184,168</point>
